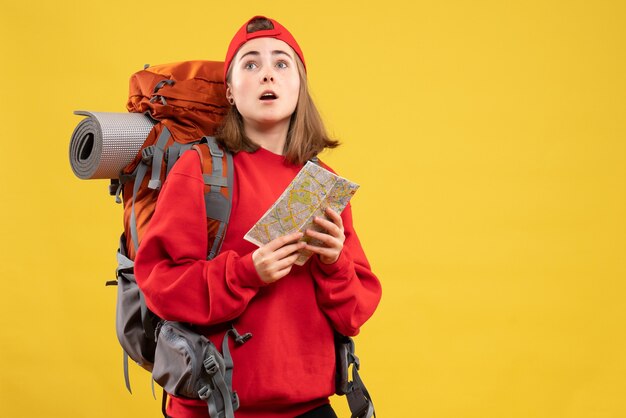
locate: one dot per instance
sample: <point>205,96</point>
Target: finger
<point>328,240</point>
<point>331,230</point>
<point>268,259</point>
<point>276,243</point>
<point>286,263</point>
<point>329,226</point>
<point>283,267</point>
<point>288,250</point>
<point>334,216</point>
<point>323,251</point>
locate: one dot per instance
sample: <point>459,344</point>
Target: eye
<point>281,64</point>
<point>250,65</point>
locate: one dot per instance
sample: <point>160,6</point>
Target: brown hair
<point>306,136</point>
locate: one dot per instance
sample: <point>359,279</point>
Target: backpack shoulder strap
<point>217,172</point>
<point>155,155</point>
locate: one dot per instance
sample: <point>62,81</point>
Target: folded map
<point>308,195</point>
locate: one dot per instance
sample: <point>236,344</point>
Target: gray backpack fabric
<point>135,323</point>
<point>187,364</point>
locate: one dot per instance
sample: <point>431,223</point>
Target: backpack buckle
<point>353,359</point>
<point>158,97</point>
<point>240,339</point>
<point>115,183</point>
<point>210,365</point>
<point>147,154</point>
<point>162,83</point>
<point>204,392</point>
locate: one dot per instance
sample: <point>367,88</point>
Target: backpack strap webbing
<point>157,159</point>
<point>164,404</point>
<point>124,265</point>
<point>228,361</point>
<point>222,401</point>
<point>152,155</point>
<point>217,173</point>
<point>174,152</point>
<point>359,399</point>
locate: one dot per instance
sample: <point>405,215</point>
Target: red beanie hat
<point>242,36</point>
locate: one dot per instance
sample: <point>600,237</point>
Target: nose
<point>267,78</point>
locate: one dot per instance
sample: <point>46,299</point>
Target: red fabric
<point>242,36</point>
<point>195,102</point>
<point>287,368</point>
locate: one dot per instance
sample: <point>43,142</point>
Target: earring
<point>231,101</point>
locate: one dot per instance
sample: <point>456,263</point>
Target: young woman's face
<point>264,82</point>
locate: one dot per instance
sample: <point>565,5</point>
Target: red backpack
<point>187,102</point>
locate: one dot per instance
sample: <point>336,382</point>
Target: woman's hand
<point>332,240</point>
<point>274,260</point>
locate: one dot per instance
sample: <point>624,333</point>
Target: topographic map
<point>308,194</point>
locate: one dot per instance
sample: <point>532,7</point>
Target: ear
<point>229,95</point>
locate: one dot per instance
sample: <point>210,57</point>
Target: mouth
<point>268,95</point>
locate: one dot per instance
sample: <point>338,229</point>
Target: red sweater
<point>288,366</point>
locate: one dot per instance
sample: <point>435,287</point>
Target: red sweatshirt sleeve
<point>178,282</point>
<point>347,290</point>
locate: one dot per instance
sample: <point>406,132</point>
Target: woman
<point>287,368</point>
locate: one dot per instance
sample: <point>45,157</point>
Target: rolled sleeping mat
<point>104,143</point>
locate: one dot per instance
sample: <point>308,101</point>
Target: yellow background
<point>488,137</point>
